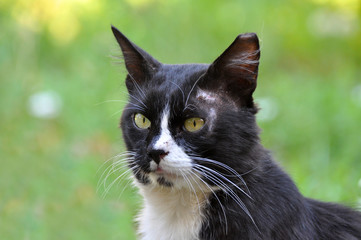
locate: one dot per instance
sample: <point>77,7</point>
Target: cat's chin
<point>161,173</point>
<point>166,179</point>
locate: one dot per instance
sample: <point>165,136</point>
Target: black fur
<point>273,207</point>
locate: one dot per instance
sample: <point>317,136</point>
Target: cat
<point>196,157</point>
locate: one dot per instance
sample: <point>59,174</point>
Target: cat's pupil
<point>194,123</point>
<point>143,120</point>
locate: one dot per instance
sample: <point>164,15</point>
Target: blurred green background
<point>59,92</point>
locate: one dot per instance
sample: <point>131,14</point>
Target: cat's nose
<point>157,155</point>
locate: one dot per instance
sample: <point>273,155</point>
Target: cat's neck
<point>171,214</point>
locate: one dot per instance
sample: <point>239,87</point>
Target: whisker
<point>129,181</point>
<point>215,195</point>
<point>179,89</point>
<point>125,158</point>
<point>190,92</point>
<point>137,85</point>
<point>192,188</point>
<point>138,108</point>
<point>117,112</point>
<point>223,177</point>
<point>225,188</point>
<point>126,153</point>
<point>108,101</point>
<point>118,178</point>
<point>225,167</point>
<point>135,105</point>
<point>113,168</point>
<point>136,99</point>
<point>190,107</point>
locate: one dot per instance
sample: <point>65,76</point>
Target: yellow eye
<point>141,121</point>
<point>193,124</point>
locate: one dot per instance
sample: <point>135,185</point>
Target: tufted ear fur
<point>235,71</point>
<point>139,64</point>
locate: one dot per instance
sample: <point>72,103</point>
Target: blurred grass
<point>309,81</point>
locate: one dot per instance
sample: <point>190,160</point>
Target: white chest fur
<point>170,214</point>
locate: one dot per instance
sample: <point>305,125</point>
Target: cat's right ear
<point>235,71</point>
<point>139,64</point>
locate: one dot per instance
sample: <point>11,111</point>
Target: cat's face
<point>190,125</point>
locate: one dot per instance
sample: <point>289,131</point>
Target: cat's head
<point>191,122</point>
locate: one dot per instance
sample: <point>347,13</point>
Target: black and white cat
<point>194,149</point>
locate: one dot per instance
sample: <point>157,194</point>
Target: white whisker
<point>192,188</point>
<point>224,178</point>
<point>225,167</point>
<point>124,159</point>
<point>136,99</point>
<point>212,176</point>
<point>117,179</point>
<point>179,89</point>
<point>139,89</point>
<point>129,181</point>
<point>215,195</point>
<point>190,92</point>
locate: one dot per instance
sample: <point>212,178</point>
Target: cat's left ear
<point>140,65</point>
<point>235,71</point>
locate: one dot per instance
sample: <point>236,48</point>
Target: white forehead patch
<point>206,96</point>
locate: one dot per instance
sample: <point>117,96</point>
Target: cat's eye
<point>141,121</point>
<point>193,124</point>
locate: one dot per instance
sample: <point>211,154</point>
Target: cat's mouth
<point>162,170</point>
<point>159,170</point>
<point>163,177</point>
<point>164,173</point>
